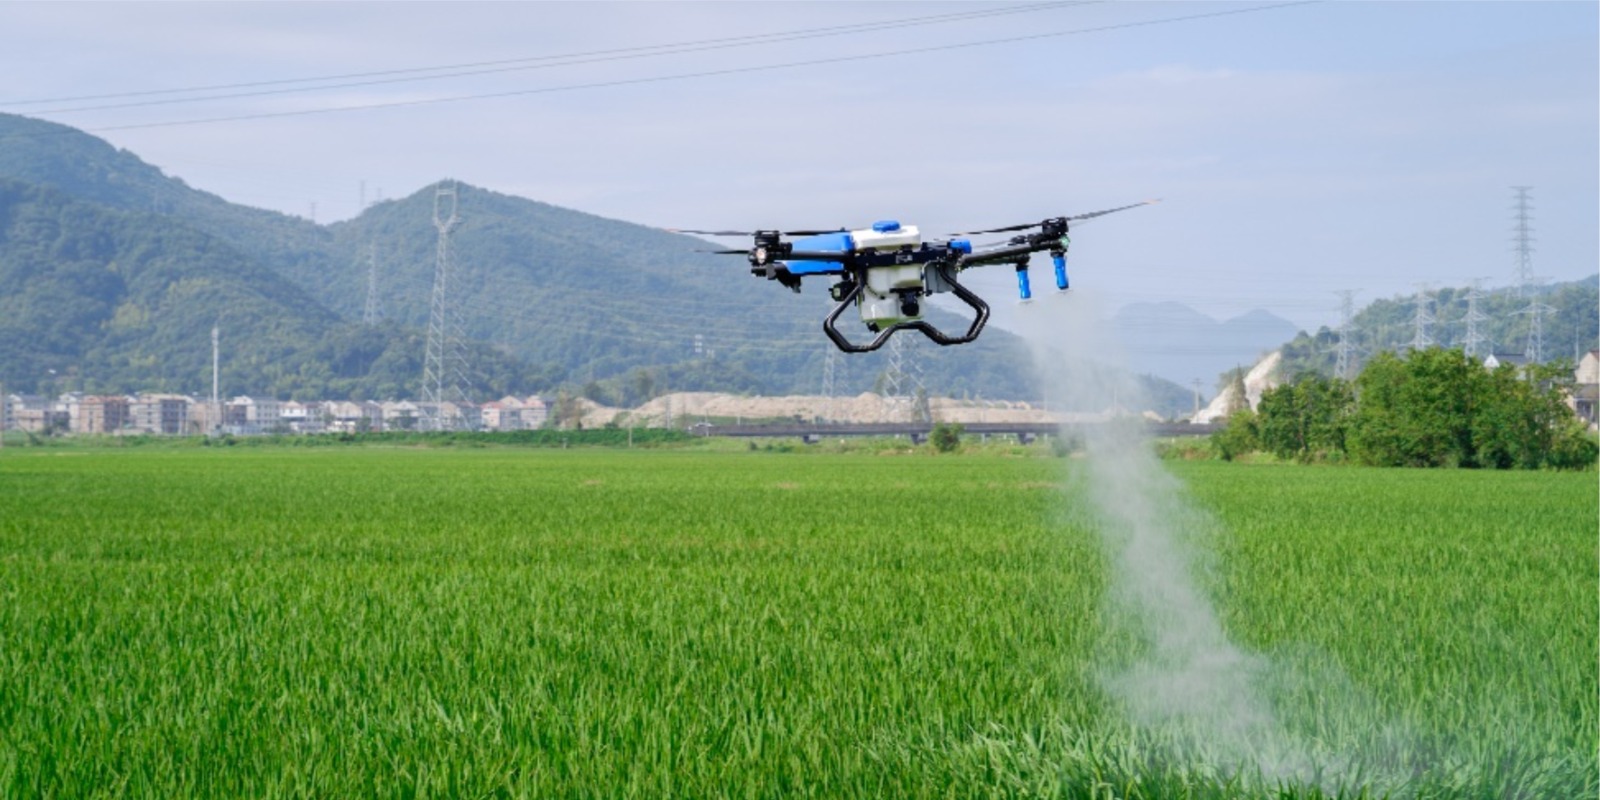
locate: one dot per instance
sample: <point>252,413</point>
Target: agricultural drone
<point>886,270</point>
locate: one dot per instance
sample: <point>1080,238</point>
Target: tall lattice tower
<point>902,381</point>
<point>1346,348</point>
<point>1527,283</point>
<point>1536,310</point>
<point>372,311</point>
<point>1474,342</point>
<point>829,361</point>
<point>439,370</point>
<point>1420,337</point>
<point>1522,238</point>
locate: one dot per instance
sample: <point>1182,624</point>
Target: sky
<point>1298,149</point>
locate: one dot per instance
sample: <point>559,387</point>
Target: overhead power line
<point>410,74</point>
<point>703,73</point>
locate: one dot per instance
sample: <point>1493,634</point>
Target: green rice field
<point>499,622</point>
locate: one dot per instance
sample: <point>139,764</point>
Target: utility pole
<point>1347,304</point>
<point>436,358</point>
<point>1420,340</point>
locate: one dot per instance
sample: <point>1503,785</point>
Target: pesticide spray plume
<point>1188,684</point>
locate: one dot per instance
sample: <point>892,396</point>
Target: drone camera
<point>909,307</point>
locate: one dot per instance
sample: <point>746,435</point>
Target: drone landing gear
<point>973,301</point>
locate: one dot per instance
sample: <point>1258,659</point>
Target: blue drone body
<point>887,269</point>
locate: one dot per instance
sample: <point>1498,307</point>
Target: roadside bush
<point>1239,435</point>
<point>946,436</point>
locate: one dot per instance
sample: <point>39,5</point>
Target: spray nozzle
<point>1023,289</point>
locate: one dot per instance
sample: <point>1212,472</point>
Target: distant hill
<point>554,296</point>
<point>1178,343</point>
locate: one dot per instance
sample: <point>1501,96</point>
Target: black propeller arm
<point>1011,251</point>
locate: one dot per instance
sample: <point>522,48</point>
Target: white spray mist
<point>1193,682</point>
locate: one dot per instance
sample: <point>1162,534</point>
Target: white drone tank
<point>880,305</point>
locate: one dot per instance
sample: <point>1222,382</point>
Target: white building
<point>400,415</point>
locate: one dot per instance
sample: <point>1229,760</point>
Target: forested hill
<point>103,300</point>
<point>1570,325</point>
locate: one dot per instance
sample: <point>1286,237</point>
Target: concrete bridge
<point>918,431</point>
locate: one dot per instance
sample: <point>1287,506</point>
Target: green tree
<point>1305,419</point>
<point>1438,407</point>
<point>1416,411</point>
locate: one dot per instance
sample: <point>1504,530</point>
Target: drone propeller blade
<point>710,233</point>
<point>815,232</point>
<point>725,252</point>
<point>1093,214</point>
<point>1078,218</point>
<point>1006,229</point>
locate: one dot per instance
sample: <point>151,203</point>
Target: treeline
<point>1430,408</point>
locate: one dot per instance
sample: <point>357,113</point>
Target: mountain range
<point>1181,344</point>
<point>112,275</point>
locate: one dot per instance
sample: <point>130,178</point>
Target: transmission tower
<point>1420,339</point>
<point>1522,238</point>
<point>1475,338</point>
<point>829,358</point>
<point>215,412</point>
<point>370,314</point>
<point>1536,310</point>
<point>903,385</point>
<point>1347,304</point>
<point>921,404</point>
<point>440,370</point>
